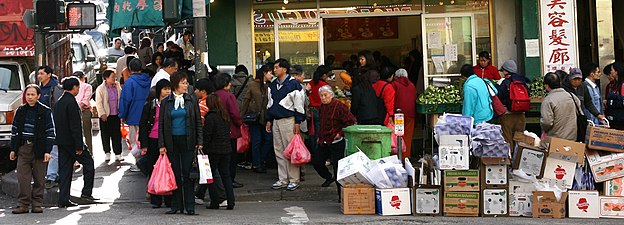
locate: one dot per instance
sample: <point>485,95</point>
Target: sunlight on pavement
<point>108,192</point>
<point>299,215</point>
<point>2,213</point>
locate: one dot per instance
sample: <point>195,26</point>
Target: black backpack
<point>615,107</point>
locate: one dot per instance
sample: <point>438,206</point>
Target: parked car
<point>13,80</point>
<point>86,57</point>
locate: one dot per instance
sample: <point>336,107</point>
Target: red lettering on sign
<point>556,19</point>
<point>554,3</point>
<point>559,55</point>
<point>556,38</point>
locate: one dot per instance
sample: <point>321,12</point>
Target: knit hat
<point>509,66</point>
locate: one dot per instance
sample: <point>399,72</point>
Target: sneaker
<point>199,201</point>
<point>50,184</point>
<point>107,157</point>
<point>327,163</point>
<point>279,185</point>
<point>292,186</point>
<point>134,168</point>
<point>223,204</point>
<point>119,158</point>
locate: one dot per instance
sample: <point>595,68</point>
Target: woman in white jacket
<point>107,104</point>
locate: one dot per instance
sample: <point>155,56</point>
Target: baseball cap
<point>576,73</point>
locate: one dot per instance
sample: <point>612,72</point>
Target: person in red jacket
<point>405,99</point>
<point>484,69</point>
<point>384,90</point>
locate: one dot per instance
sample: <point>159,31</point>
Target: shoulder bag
<point>497,105</point>
<point>581,122</point>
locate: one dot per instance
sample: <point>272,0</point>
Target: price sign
<point>81,16</point>
<point>399,124</point>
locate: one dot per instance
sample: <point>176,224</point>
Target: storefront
<point>448,33</point>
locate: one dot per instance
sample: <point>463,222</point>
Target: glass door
<point>448,43</point>
<point>298,41</point>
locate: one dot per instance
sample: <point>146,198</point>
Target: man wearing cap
<point>511,122</point>
<point>573,84</point>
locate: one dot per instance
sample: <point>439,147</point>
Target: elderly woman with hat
<point>334,116</point>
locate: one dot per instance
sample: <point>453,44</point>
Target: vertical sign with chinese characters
<point>559,45</point>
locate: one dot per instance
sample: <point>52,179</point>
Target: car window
<point>79,54</point>
<point>89,47</point>
<point>9,78</point>
<point>26,72</point>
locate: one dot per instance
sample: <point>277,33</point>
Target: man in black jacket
<point>71,148</point>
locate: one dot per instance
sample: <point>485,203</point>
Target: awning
<point>141,13</point>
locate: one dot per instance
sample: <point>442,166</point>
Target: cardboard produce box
<point>357,199</point>
<point>494,173</point>
<point>584,204</point>
<point>520,204</point>
<point>461,180</point>
<point>519,186</point>
<point>461,203</point>
<point>568,148</point>
<point>454,152</point>
<point>393,201</point>
<point>494,202</point>
<point>599,138</point>
<point>520,137</point>
<point>546,205</point>
<point>529,159</point>
<point>605,165</point>
<point>353,168</point>
<point>612,207</point>
<point>614,187</point>
<point>427,201</point>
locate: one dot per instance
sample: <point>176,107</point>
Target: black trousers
<point>233,160</point>
<point>111,130</point>
<point>334,152</point>
<point>202,188</point>
<point>221,162</point>
<point>153,152</point>
<point>182,163</point>
<point>67,158</point>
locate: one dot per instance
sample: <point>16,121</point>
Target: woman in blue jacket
<point>477,100</point>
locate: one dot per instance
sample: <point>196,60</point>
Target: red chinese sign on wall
<point>559,45</point>
<point>348,29</point>
<point>15,38</point>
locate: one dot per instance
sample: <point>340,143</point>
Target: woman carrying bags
<point>219,149</point>
<point>179,134</point>
<point>255,104</point>
<point>148,134</point>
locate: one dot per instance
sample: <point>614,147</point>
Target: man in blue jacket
<point>133,96</point>
<point>51,91</point>
<point>477,100</point>
<point>284,116</point>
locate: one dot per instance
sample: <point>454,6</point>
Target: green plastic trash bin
<point>374,140</point>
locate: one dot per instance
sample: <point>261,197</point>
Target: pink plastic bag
<point>297,152</point>
<point>242,143</point>
<point>163,180</point>
<point>394,149</point>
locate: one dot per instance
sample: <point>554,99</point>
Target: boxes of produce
<point>427,201</point>
<point>461,180</point>
<point>494,202</point>
<point>461,203</point>
<point>584,204</point>
<point>546,205</point>
<point>605,165</point>
<point>357,199</point>
<point>614,187</point>
<point>612,207</point>
<point>494,173</point>
<point>393,201</point>
<point>454,152</point>
<point>529,159</point>
<point>353,168</point>
<point>520,204</point>
<point>600,138</point>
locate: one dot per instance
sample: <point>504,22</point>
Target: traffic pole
<point>399,131</point>
<point>40,45</point>
<point>201,45</point>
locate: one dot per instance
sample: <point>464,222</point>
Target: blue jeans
<point>53,165</point>
<point>261,144</point>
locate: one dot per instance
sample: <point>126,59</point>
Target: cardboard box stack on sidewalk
<point>476,173</point>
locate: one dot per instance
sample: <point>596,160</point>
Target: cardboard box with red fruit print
<point>583,204</point>
<point>561,161</point>
<point>393,201</point>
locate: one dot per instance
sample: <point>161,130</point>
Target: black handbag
<point>251,117</point>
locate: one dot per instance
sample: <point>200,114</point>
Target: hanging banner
<point>559,39</point>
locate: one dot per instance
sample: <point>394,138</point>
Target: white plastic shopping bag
<point>205,173</point>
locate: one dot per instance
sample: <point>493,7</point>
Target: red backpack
<point>519,97</point>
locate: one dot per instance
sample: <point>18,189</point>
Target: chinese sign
<point>348,29</point>
<point>15,38</point>
<point>309,35</point>
<point>559,46</point>
<point>135,13</point>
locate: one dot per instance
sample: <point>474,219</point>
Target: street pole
<point>40,45</point>
<point>399,130</point>
<point>201,48</point>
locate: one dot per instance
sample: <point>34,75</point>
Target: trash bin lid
<point>367,129</point>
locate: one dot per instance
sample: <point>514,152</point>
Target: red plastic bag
<point>124,131</point>
<point>297,152</point>
<point>394,149</point>
<point>163,180</point>
<point>243,142</point>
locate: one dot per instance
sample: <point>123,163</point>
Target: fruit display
<point>435,95</point>
<point>537,89</point>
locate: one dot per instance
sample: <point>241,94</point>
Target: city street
<point>123,201</point>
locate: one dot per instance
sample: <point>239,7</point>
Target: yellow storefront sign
<point>310,35</point>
